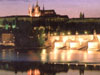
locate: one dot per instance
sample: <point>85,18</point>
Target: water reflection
<point>89,59</point>
<point>3,54</point>
<point>70,56</point>
<point>33,72</point>
<point>44,56</point>
<point>50,55</point>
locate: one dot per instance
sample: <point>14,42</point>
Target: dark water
<point>49,62</point>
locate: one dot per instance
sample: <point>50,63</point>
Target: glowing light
<point>55,51</point>
<point>85,32</point>
<point>85,55</point>
<point>29,72</point>
<point>37,15</point>
<point>76,64</point>
<point>63,34</point>
<point>35,28</point>
<point>94,65</point>
<point>90,52</point>
<point>53,56</point>
<point>69,54</point>
<point>93,46</point>
<point>44,51</point>
<point>85,65</point>
<point>36,72</point>
<point>77,33</point>
<point>68,64</point>
<point>65,39</point>
<point>44,55</point>
<point>3,54</point>
<point>51,34</point>
<point>69,33</point>
<point>55,34</point>
<point>58,45</point>
<point>81,40</point>
<point>74,44</point>
<point>63,55</point>
<point>13,26</point>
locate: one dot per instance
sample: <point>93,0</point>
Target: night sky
<point>72,8</point>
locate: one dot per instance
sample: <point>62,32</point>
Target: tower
<point>81,15</point>
<point>37,3</point>
<point>30,11</point>
<point>43,7</point>
<point>36,11</point>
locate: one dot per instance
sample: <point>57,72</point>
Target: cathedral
<point>35,11</point>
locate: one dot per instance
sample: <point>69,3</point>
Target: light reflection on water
<point>44,55</point>
<point>70,72</point>
<point>76,72</point>
<point>50,55</point>
<point>70,55</point>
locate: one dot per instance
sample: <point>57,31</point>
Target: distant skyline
<point>72,8</point>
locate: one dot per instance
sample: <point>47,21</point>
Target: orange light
<point>36,72</point>
<point>29,72</point>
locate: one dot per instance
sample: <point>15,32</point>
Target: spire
<point>33,6</point>
<point>30,10</point>
<point>81,15</point>
<point>37,3</point>
<point>43,7</point>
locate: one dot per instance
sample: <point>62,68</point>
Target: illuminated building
<point>7,39</point>
<point>37,12</point>
<point>94,44</point>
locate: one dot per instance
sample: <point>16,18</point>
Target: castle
<point>35,11</point>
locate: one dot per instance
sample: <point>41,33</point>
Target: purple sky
<point>72,8</point>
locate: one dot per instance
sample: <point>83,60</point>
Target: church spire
<point>30,10</point>
<point>43,7</point>
<point>37,3</point>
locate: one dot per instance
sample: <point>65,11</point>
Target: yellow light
<point>51,34</point>
<point>55,51</point>
<point>58,45</point>
<point>85,65</point>
<point>69,55</point>
<point>44,35</point>
<point>81,40</point>
<point>53,56</point>
<point>43,51</point>
<point>44,55</point>
<point>74,45</point>
<point>90,52</point>
<point>77,33</point>
<point>63,34</point>
<point>55,34</point>
<point>85,55</point>
<point>63,55</point>
<point>85,32</point>
<point>65,39</point>
<point>93,46</point>
<point>69,33</point>
<point>94,65</point>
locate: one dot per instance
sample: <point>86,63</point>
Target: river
<point>49,62</point>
